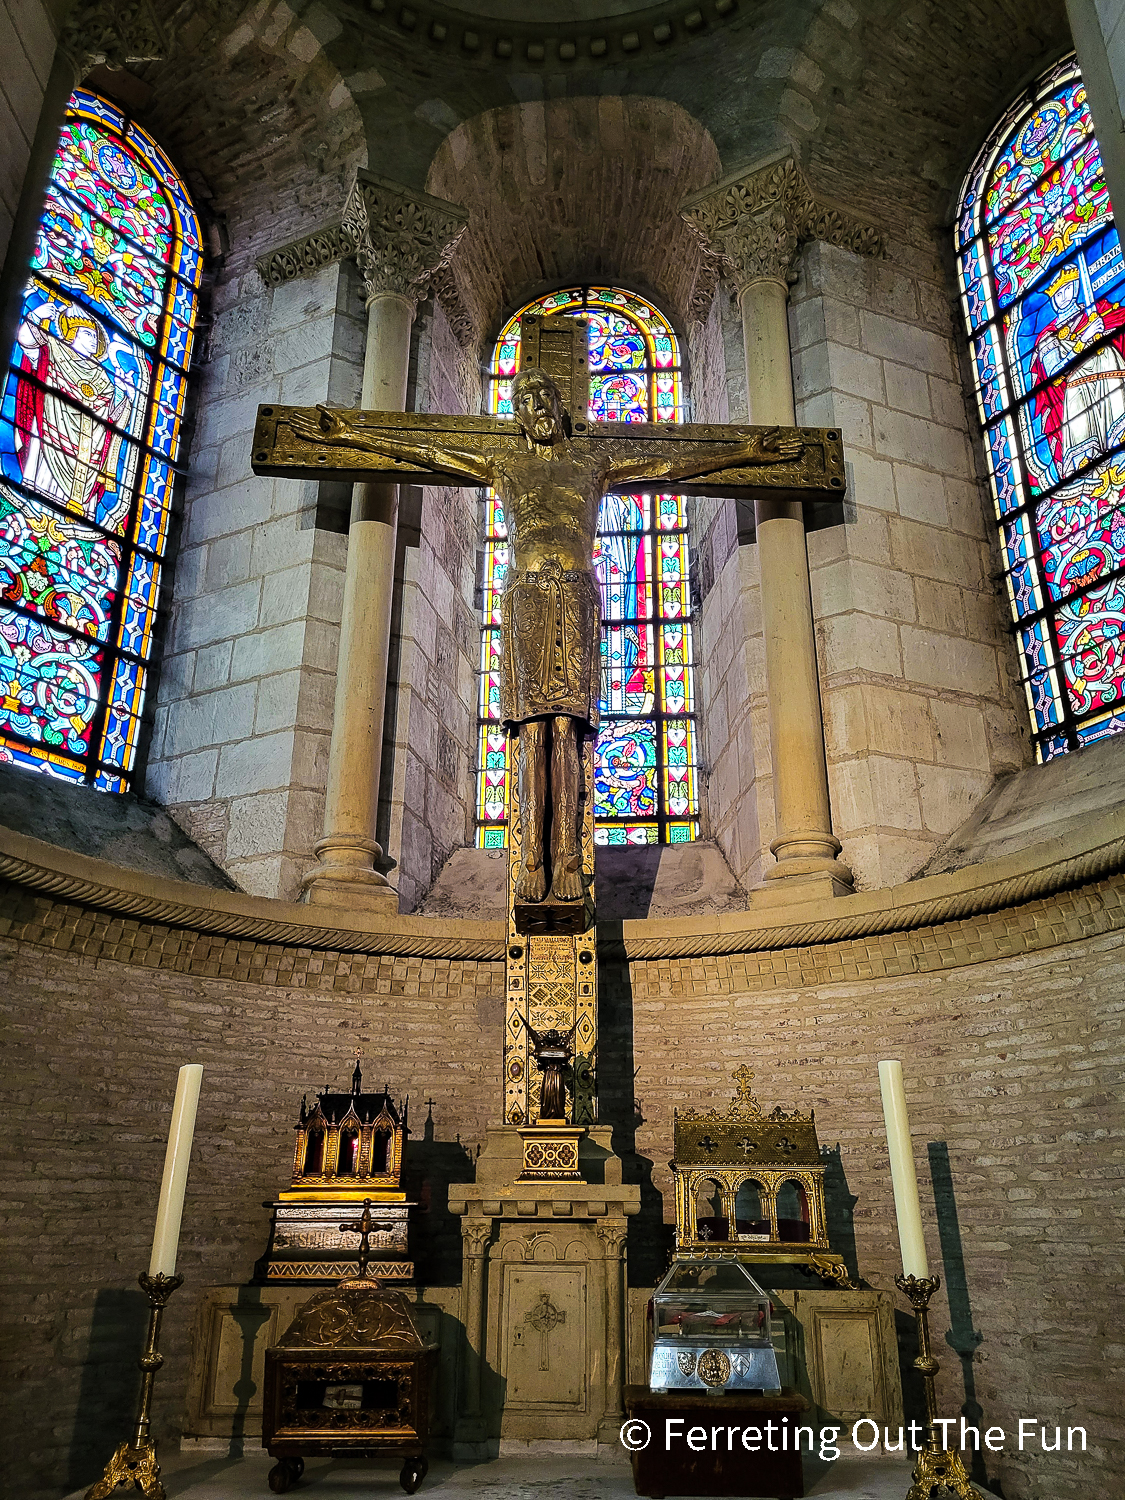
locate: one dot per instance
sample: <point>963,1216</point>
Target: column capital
<point>476,1234</point>
<point>753,225</point>
<point>400,237</point>
<point>103,31</point>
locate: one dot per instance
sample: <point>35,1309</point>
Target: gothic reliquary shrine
<point>752,1185</point>
<point>348,1152</point>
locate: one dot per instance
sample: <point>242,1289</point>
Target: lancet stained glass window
<point>1043,291</point>
<point>89,438</point>
<point>645,765</point>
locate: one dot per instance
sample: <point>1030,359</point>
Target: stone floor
<point>201,1476</point>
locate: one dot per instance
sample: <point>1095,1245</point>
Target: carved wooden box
<point>351,1375</point>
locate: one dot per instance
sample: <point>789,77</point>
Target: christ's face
<point>538,412</point>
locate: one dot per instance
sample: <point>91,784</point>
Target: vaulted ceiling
<point>884,101</point>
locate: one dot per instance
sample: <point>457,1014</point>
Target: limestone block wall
<point>918,671</point>
<point>27,51</point>
<point>244,708</point>
<point>1009,1025</point>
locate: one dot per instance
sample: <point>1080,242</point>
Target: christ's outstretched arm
<point>333,427</point>
<point>768,447</point>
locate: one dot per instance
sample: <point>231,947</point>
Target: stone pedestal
<point>542,1298</point>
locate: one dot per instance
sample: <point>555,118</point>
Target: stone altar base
<point>542,1298</point>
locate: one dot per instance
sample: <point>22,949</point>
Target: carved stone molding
<point>400,236</point>
<point>306,256</point>
<point>754,226</point>
<point>444,287</point>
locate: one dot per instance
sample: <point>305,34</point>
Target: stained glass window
<point>646,769</point>
<point>89,439</point>
<point>1043,291</point>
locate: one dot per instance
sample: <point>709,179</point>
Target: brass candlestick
<point>134,1462</point>
<point>937,1467</point>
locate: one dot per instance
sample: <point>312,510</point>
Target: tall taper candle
<point>904,1179</point>
<point>166,1239</point>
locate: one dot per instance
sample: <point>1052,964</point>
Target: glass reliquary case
<point>711,1330</point>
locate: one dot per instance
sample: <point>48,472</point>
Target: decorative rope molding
<point>306,256</point>
<point>1045,869</point>
<point>753,226</point>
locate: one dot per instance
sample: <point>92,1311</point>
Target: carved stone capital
<point>613,1238</point>
<point>754,225</point>
<point>476,1234</point>
<point>400,236</point>
<point>114,32</point>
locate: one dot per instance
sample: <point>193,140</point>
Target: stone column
<point>475,1236</point>
<point>613,1237</point>
<point>755,225</point>
<point>399,238</point>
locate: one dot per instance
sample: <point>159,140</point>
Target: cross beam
<point>284,449</point>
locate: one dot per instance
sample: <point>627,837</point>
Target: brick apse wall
<point>1008,1024</point>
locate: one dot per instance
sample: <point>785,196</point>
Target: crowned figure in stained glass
<point>68,448</point>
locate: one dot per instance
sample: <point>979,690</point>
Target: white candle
<point>904,1179</point>
<point>166,1239</point>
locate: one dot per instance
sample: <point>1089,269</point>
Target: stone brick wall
<point>1008,1025</point>
<point>27,51</point>
<point>240,742</point>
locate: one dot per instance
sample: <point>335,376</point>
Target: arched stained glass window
<point>645,770</point>
<point>1043,290</point>
<point>89,437</point>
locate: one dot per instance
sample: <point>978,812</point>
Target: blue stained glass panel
<point>1055,128</point>
<point>87,392</point>
<point>626,769</point>
<point>63,571</point>
<point>619,398</point>
<point>45,761</point>
<point>49,684</point>
<point>615,343</point>
<point>1065,208</point>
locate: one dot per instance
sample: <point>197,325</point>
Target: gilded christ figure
<point>550,614</point>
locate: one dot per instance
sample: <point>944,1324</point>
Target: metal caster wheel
<point>414,1470</point>
<point>284,1473</point>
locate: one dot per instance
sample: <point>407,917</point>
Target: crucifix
<point>364,1226</point>
<point>551,467</point>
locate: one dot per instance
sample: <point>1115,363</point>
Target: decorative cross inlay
<point>708,1145</point>
<point>544,1317</point>
<point>786,1145</point>
<point>746,1144</point>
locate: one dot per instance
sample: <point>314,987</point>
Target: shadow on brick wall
<point>107,1399</point>
<point>839,1208</point>
<point>650,1239</point>
<point>429,1166</point>
<point>961,1336</point>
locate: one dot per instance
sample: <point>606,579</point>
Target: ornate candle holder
<point>134,1462</point>
<point>936,1467</point>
